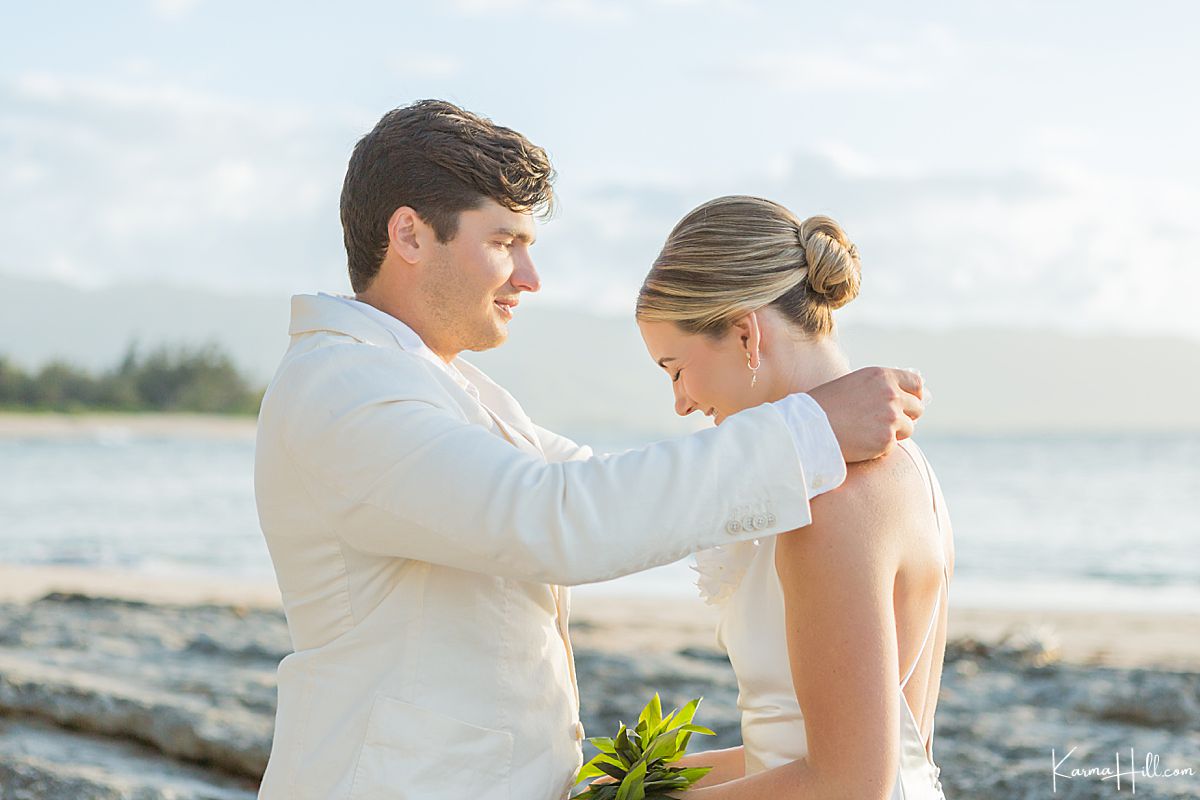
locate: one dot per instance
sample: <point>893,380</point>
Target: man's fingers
<point>910,381</point>
<point>904,429</point>
<point>912,407</point>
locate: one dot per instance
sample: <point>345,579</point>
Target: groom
<point>423,529</point>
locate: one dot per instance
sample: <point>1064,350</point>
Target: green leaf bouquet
<point>637,760</point>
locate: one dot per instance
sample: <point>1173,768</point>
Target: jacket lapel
<point>502,406</point>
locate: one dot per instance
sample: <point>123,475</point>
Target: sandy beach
<point>115,685</point>
<point>50,425</point>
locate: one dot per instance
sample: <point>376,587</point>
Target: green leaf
<point>693,774</point>
<point>697,729</point>
<point>665,748</point>
<point>635,741</point>
<point>588,770</point>
<point>624,748</point>
<point>603,743</point>
<point>652,713</point>
<point>637,758</point>
<point>631,786</point>
<point>681,742</point>
<point>686,713</point>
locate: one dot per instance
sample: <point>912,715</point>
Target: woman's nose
<point>683,405</point>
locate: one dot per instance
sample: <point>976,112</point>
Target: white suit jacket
<point>421,539</point>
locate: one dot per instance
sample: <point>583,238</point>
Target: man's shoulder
<point>328,362</point>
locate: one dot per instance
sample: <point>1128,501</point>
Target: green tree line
<point>199,379</point>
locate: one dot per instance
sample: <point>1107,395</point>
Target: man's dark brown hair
<point>439,160</point>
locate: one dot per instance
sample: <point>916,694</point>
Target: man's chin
<point>496,337</point>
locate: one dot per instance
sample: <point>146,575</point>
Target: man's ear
<point>406,231</point>
<point>749,335</point>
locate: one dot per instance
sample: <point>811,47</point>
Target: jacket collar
<point>321,312</point>
<point>326,312</point>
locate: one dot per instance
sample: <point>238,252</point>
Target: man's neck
<point>399,314</point>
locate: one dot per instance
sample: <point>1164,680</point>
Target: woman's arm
<point>727,765</point>
<point>838,576</point>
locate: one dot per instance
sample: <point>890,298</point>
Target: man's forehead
<point>493,216</point>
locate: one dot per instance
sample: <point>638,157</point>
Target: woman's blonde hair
<point>737,254</point>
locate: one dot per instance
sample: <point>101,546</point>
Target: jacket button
<point>733,526</point>
<point>760,521</point>
<point>771,519</point>
<point>748,523</point>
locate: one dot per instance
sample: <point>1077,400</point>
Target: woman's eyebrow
<point>662,362</point>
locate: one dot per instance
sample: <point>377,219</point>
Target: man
<point>422,528</point>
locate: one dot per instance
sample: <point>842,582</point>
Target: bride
<point>836,631</point>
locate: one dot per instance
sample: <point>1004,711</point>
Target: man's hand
<point>870,409</point>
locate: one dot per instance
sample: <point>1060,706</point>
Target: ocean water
<point>1084,522</point>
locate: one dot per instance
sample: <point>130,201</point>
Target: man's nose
<point>525,276</point>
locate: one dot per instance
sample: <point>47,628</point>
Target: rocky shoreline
<point>120,698</point>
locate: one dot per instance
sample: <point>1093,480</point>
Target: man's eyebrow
<point>662,362</point>
<point>516,234</point>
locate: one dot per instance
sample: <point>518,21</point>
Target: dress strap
<point>937,604</point>
<point>927,475</point>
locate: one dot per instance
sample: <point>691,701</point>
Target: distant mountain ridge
<point>589,374</point>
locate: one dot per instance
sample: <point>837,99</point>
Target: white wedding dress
<point>742,580</point>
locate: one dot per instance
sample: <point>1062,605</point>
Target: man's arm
<point>814,440</point>
<point>396,470</point>
<point>398,473</point>
<point>559,448</point>
<point>867,391</point>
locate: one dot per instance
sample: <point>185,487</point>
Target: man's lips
<point>506,306</point>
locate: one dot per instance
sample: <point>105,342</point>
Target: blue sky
<point>1020,164</point>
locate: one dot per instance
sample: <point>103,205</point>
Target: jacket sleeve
<point>401,473</point>
<point>559,448</point>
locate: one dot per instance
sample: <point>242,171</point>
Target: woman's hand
<point>603,779</point>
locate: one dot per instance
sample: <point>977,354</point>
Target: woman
<point>836,631</point>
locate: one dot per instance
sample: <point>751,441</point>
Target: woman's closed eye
<point>675,377</point>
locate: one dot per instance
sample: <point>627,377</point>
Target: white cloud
<point>838,62</point>
<point>424,65</point>
<point>122,180</point>
<point>1053,244</point>
<point>825,72</point>
<point>173,9</point>
<point>113,180</point>
<point>571,10</point>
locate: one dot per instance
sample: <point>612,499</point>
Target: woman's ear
<point>749,335</point>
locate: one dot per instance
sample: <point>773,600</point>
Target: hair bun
<point>834,271</point>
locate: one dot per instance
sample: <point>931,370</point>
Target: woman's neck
<point>809,364</point>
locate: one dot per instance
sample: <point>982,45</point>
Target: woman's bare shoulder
<point>865,511</point>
